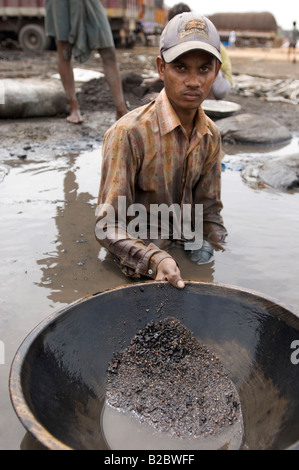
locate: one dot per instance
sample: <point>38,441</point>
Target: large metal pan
<point>57,381</point>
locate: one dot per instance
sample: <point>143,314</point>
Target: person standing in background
<point>80,27</point>
<point>293,42</point>
<point>177,9</point>
<point>224,81</point>
<point>232,39</point>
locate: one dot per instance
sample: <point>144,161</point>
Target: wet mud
<point>169,380</point>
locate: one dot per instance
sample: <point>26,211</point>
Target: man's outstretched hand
<point>168,271</point>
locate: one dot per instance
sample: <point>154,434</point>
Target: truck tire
<point>32,38</point>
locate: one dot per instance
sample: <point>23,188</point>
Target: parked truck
<point>24,20</point>
<point>251,29</point>
<point>123,18</point>
<point>152,16</point>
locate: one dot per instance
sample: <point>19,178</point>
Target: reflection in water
<point>74,270</point>
<point>68,269</point>
<point>264,410</point>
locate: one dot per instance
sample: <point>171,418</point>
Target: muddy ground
<point>97,106</point>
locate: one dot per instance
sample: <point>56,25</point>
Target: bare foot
<point>75,114</point>
<point>75,117</point>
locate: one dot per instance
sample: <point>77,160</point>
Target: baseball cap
<point>186,32</point>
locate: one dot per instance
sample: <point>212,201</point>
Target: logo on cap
<point>195,26</point>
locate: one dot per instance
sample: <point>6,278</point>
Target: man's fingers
<point>168,271</point>
<point>176,281</point>
<point>180,284</point>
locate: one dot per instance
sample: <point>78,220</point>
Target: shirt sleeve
<point>208,193</point>
<point>122,151</point>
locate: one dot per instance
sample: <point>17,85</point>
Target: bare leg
<point>64,50</point>
<point>294,54</point>
<point>113,78</point>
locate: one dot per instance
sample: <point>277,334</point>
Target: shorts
<point>82,23</point>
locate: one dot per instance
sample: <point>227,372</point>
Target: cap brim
<point>171,54</point>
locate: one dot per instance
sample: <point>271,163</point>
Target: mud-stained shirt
<point>149,160</point>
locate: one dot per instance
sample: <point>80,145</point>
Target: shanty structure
<point>251,29</point>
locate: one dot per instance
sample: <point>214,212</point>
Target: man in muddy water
<point>80,27</point>
<point>167,153</point>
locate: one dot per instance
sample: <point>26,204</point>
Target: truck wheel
<point>32,38</point>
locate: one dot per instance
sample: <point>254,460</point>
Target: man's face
<point>189,78</point>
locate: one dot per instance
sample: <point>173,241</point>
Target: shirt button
<point>150,271</point>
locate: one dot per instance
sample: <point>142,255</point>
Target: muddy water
<point>122,431</point>
<point>49,256</point>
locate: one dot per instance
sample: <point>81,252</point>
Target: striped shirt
<point>148,159</point>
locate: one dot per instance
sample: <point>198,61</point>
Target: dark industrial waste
<point>58,376</point>
<point>168,379</point>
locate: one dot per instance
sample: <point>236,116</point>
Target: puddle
<point>236,155</point>
<point>50,258</point>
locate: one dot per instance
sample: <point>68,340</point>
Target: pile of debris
<point>280,89</point>
<point>169,380</point>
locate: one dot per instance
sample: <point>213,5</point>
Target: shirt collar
<point>169,120</point>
